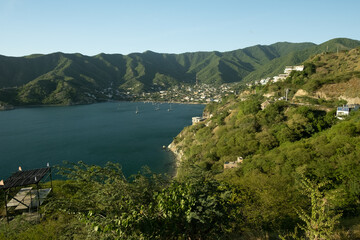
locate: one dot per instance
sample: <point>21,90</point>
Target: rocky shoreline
<point>5,107</point>
<point>178,155</point>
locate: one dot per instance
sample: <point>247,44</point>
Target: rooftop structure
<point>27,198</point>
<point>23,178</point>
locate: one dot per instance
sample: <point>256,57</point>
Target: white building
<point>289,69</point>
<point>280,77</point>
<point>264,81</point>
<point>196,120</point>
<point>342,112</point>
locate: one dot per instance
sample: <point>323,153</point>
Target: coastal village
<point>198,93</point>
<point>185,93</point>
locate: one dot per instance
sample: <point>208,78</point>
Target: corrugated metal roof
<point>23,178</point>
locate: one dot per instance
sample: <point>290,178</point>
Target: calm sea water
<point>94,134</point>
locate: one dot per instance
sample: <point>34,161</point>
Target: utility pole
<point>286,94</point>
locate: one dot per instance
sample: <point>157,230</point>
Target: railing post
<point>6,210</point>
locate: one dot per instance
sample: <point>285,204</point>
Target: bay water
<point>129,133</point>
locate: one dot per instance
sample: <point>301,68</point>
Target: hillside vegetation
<point>284,143</point>
<point>61,78</point>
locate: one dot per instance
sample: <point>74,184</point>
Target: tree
<point>320,223</point>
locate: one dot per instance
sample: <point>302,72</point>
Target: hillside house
<point>196,120</point>
<point>342,112</point>
<point>265,104</point>
<point>233,164</point>
<point>289,69</point>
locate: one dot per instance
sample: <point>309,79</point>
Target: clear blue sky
<point>169,26</point>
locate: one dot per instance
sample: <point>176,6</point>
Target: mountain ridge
<point>63,78</point>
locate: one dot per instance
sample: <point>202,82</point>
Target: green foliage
<point>106,205</point>
<point>57,226</point>
<point>251,106</point>
<point>195,210</point>
<point>320,222</point>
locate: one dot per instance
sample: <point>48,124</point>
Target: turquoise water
<point>94,134</point>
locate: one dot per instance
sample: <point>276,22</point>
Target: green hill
<point>61,78</point>
<point>283,143</point>
<point>328,80</point>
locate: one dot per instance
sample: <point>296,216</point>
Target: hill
<point>284,142</point>
<point>61,78</point>
<point>328,80</point>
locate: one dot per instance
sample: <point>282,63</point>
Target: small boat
<point>169,109</point>
<point>137,110</point>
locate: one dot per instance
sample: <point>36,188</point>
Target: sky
<point>91,27</point>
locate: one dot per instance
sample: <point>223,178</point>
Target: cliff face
<point>173,147</point>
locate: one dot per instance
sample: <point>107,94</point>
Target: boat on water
<point>137,110</point>
<point>157,107</point>
<point>169,109</point>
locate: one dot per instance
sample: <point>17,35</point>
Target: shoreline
<point>14,107</point>
<point>177,154</point>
